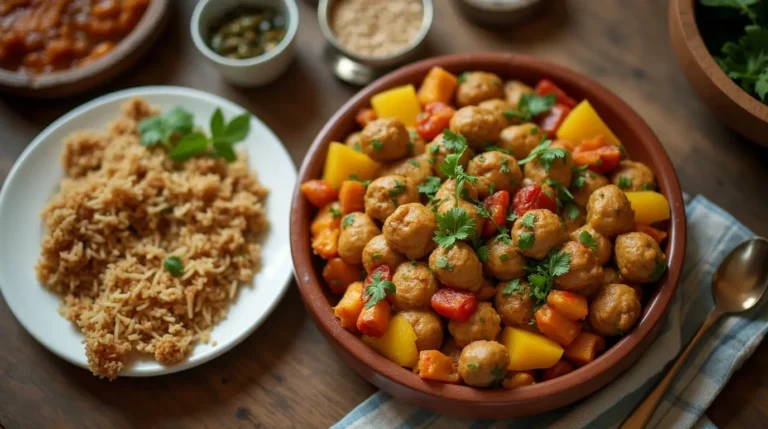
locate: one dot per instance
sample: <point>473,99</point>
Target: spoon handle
<point>639,418</point>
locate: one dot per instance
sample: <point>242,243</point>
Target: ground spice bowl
<point>465,401</point>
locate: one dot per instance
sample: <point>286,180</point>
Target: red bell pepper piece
<point>319,192</point>
<point>551,120</point>
<point>386,275</point>
<point>533,197</point>
<point>365,116</point>
<point>435,118</point>
<point>559,369</point>
<point>600,155</point>
<point>454,304</point>
<point>546,86</point>
<point>497,206</point>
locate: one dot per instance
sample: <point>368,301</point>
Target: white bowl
<point>254,71</point>
<point>35,177</point>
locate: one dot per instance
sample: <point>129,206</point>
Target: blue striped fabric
<point>712,233</point>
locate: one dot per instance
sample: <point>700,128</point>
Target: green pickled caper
<point>247,32</point>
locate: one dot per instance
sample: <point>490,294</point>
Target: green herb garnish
<point>586,239</point>
<point>160,128</point>
<point>443,264</point>
<point>173,265</point>
<point>454,142</point>
<point>513,286</point>
<point>414,163</point>
<point>528,220</point>
<point>625,182</point>
<point>526,240</point>
<point>483,252</point>
<point>542,274</point>
<point>430,186</point>
<point>454,225</point>
<point>378,290</point>
<point>348,221</point>
<point>336,213</point>
<point>377,144</point>
<point>397,190</point>
<point>222,140</point>
<point>530,106</point>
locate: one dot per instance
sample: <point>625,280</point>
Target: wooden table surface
<point>285,375</point>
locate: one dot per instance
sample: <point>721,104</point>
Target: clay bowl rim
<point>694,43</point>
<point>315,299</point>
<point>147,26</point>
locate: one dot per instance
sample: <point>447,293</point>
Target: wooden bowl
<point>466,401</point>
<point>76,80</point>
<point>731,104</point>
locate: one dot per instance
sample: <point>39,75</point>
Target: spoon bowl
<point>742,278</point>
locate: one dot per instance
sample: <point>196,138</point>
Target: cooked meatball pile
<point>430,220</point>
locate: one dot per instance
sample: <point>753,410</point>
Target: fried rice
<point>121,210</point>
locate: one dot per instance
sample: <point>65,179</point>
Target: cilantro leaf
<point>462,78</point>
<point>443,264</point>
<point>545,155</point>
<point>377,144</point>
<point>335,212</point>
<point>579,176</point>
<point>378,290</point>
<point>414,163</point>
<point>513,287</point>
<point>543,273</point>
<point>399,189</point>
<point>528,220</point>
<point>625,182</point>
<point>526,240</point>
<point>559,263</point>
<point>530,106</point>
<point>482,253</point>
<point>572,211</point>
<point>348,221</point>
<point>586,239</point>
<point>430,186</point>
<point>454,142</point>
<point>454,225</point>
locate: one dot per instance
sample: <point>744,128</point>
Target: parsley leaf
<point>430,186</point>
<point>528,220</point>
<point>454,142</point>
<point>473,366</point>
<point>586,239</point>
<point>494,148</point>
<point>378,290</point>
<point>482,253</point>
<point>504,167</point>
<point>491,188</point>
<point>336,213</point>
<point>414,163</point>
<point>579,176</point>
<point>542,274</point>
<point>454,225</point>
<point>173,265</point>
<point>454,170</point>
<point>397,190</point>
<point>530,106</point>
<point>545,155</point>
<point>443,264</point>
<point>377,144</point>
<point>462,78</point>
<point>572,211</point>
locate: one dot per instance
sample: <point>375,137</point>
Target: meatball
<point>603,248</point>
<point>487,291</point>
<point>357,229</point>
<point>633,176</point>
<point>483,324</point>
<point>385,139</point>
<point>513,302</point>
<point>353,141</point>
<point>610,276</point>
<point>514,91</point>
<point>614,310</point>
<point>468,207</point>
<point>483,363</point>
<point>417,169</point>
<point>386,193</point>
<point>497,169</point>
<point>583,188</point>
<point>561,169</point>
<point>584,272</point>
<point>536,242</point>
<point>572,224</point>
<point>639,257</point>
<point>457,267</point>
<point>520,140</point>
<point>428,328</point>
<point>414,285</point>
<point>504,262</point>
<point>448,190</point>
<point>609,212</point>
<point>410,230</point>
<point>436,151</point>
<point>378,252</point>
<point>479,126</point>
<point>499,107</point>
<point>476,87</point>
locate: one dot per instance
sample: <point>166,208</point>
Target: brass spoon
<point>737,285</point>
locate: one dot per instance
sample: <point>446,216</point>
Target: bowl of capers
<point>250,42</point>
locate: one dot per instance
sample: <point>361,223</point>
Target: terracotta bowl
<point>466,401</point>
<point>77,80</point>
<point>731,104</point>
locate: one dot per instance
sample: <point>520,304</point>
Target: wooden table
<point>285,375</point>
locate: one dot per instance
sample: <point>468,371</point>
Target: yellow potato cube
<point>398,344</point>
<point>528,350</point>
<point>584,123</point>
<point>400,103</point>
<point>342,162</point>
<point>649,206</point>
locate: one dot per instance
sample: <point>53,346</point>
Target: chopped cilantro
<point>491,188</point>
<point>625,182</point>
<point>513,286</point>
<point>397,190</point>
<point>504,167</point>
<point>473,366</point>
<point>348,221</point>
<point>528,220</point>
<point>586,239</point>
<point>376,256</point>
<point>526,240</point>
<point>572,211</point>
<point>647,187</point>
<point>336,213</point>
<point>542,274</point>
<point>414,163</point>
<point>377,144</point>
<point>579,176</point>
<point>504,257</point>
<point>658,270</point>
<point>545,155</point>
<point>462,78</point>
<point>454,142</point>
<point>530,106</point>
<point>430,186</point>
<point>378,290</point>
<point>454,225</point>
<point>482,253</point>
<point>443,264</point>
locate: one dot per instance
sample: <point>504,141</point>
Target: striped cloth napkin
<point>712,233</point>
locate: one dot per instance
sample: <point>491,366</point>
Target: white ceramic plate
<point>35,176</point>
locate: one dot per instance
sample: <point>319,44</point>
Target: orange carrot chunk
<point>559,369</point>
<point>373,321</point>
<point>352,197</point>
<point>517,379</point>
<point>584,348</point>
<point>438,85</point>
<point>556,326</point>
<point>326,244</point>
<point>319,192</point>
<point>434,365</point>
<point>328,217</point>
<point>339,274</point>
<point>569,304</point>
<point>349,307</point>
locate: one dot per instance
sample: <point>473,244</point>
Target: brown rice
<point>122,208</point>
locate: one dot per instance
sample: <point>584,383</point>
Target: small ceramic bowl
<point>731,104</point>
<point>362,69</point>
<point>641,144</point>
<point>249,72</point>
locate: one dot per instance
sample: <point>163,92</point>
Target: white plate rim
<point>285,274</point>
